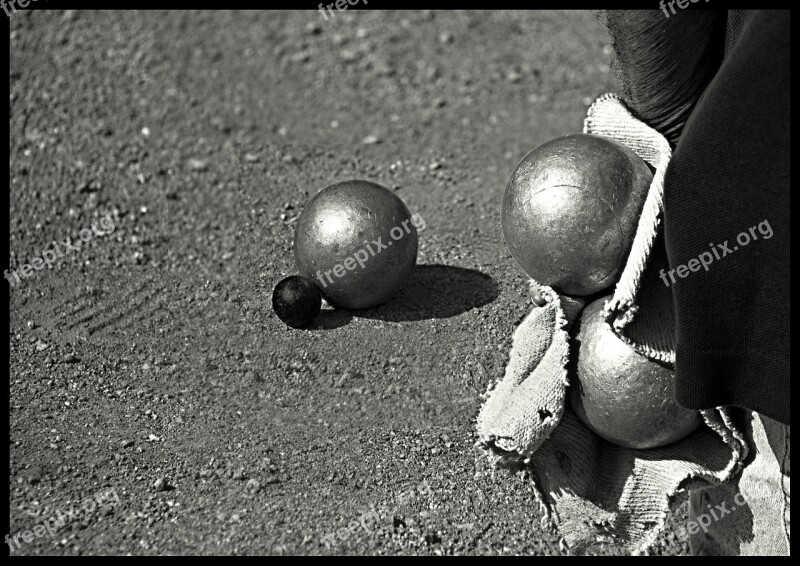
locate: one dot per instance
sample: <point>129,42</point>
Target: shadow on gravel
<point>329,319</point>
<point>435,291</point>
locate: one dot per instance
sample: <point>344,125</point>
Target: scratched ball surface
<point>571,209</point>
<point>296,301</point>
<point>621,395</point>
<point>357,241</point>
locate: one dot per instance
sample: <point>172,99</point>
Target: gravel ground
<point>148,364</point>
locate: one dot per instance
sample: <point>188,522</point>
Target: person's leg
<point>751,515</point>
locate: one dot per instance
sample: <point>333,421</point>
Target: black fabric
<point>730,173</point>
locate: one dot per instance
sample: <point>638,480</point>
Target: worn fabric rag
<point>589,491</point>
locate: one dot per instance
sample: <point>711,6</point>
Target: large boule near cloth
<point>621,395</point>
<point>571,209</point>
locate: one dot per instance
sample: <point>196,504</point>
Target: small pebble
<point>70,359</point>
<point>348,55</point>
<point>300,57</point>
<point>197,165</point>
<point>513,77</point>
<point>536,295</point>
